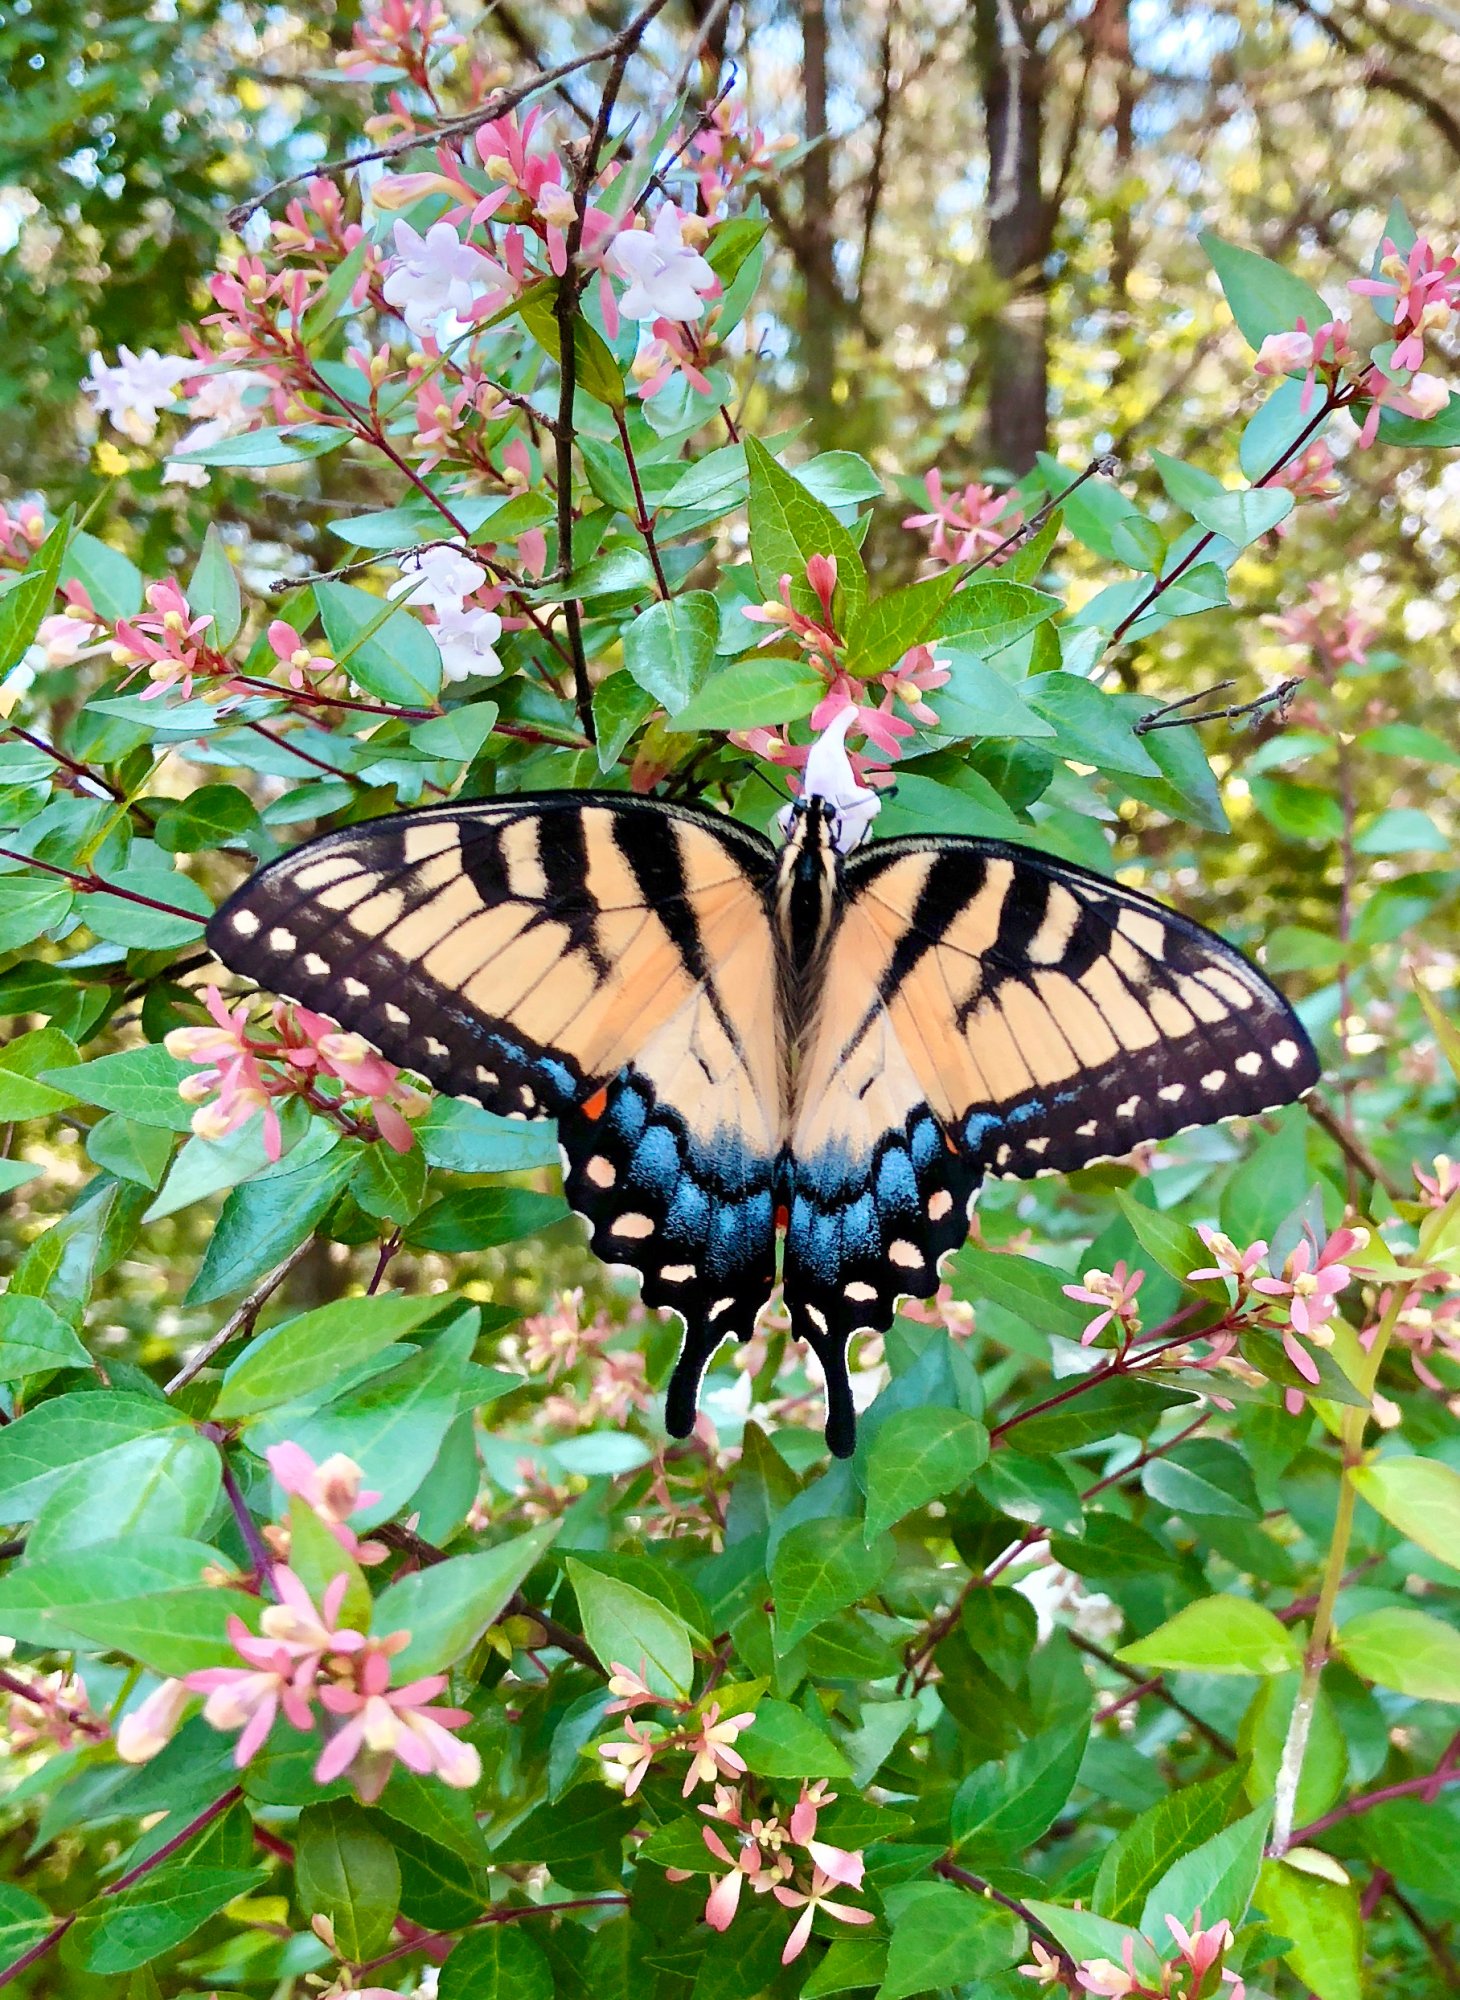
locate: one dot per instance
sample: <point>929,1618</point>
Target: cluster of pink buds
<point>764,1861</point>
<point>1298,1303</point>
<point>1335,638</point>
<point>961,526</point>
<point>245,1072</point>
<point>399,35</point>
<point>730,151</point>
<point>1312,475</point>
<point>883,730</point>
<point>21,533</point>
<point>1420,292</point>
<point>709,1737</point>
<point>167,642</point>
<point>1441,1184</point>
<point>51,1713</point>
<point>332,1489</point>
<point>316,224</point>
<point>1196,1972</point>
<point>302,1661</point>
<point>555,1342</point>
<point>260,313</point>
<point>1115,1292</point>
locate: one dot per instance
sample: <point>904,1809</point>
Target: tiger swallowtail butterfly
<point>748,1046</point>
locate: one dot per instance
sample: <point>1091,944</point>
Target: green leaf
<point>286,444</point>
<point>118,1933</point>
<point>1119,1403</point>
<point>1149,1847</point>
<point>34,1340</point>
<point>34,1593</point>
<point>1090,726</point>
<point>447,1607</point>
<point>478,1218</point>
<point>1401,830</point>
<point>458,736</point>
<point>1410,1651</point>
<point>1030,1289</point>
<point>469,1140</point>
<point>819,1568</point>
<point>1031,1489</point>
<point>1203,1477</point>
<point>174,1632</point>
<point>209,817</point>
<point>24,606</point>
<point>1408,739</point>
<point>917,1456</point>
<point>266,1218</point>
<point>140,1083</point>
<point>851,1962</point>
<point>787,526</point>
<point>393,1423</point>
<point>839,478</point>
<point>670,648</point>
<point>30,905</point>
<point>903,618</point>
<point>345,1869</point>
<point>1093,510</point>
<point>1085,1936</point>
<point>1004,1807</point>
<point>213,591</point>
<point>383,646</point>
<point>1240,514</point>
<point>1301,812</point>
<point>1322,1920</point>
<point>620,710</point>
<point>388,1184</point>
<point>1217,1878</point>
<point>131,1151</point>
<point>755,692</point>
<point>35,1072</point>
<point>39,1449</point>
<point>977,701</point>
<point>1218,1635</point>
<point>985,617</point>
<point>1420,1497</point>
<point>112,580</point>
<point>499,1963</point>
<point>305,1353</point>
<point>162,1485</point>
<point>623,1624</point>
<point>1264,297</point>
<point>784,1743</point>
<point>944,1937</point>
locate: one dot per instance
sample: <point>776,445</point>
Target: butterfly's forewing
<point>990,1009</point>
<point>605,961</point>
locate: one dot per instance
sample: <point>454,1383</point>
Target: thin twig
<point>1104,463</point>
<point>240,1321</point>
<point>643,519</point>
<point>1277,698</point>
<point>1323,1114</point>
<point>951,1872</point>
<point>89,884</point>
<point>1155,1686</point>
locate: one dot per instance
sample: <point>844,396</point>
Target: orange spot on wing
<point>595,1106</point>
<point>783,1217</point>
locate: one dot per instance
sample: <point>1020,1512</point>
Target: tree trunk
<point>818,270</point>
<point>1016,340</point>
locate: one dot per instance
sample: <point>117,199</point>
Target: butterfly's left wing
<point>987,1008</point>
<point>601,959</point>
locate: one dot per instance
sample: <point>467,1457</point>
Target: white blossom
<point>220,409</point>
<point>829,775</point>
<point>437,273</point>
<point>442,576</point>
<point>133,389</point>
<point>468,639</point>
<point>667,277</point>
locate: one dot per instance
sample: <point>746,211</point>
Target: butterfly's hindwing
<point>605,961</point>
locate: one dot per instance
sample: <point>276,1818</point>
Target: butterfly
<point>749,1047</point>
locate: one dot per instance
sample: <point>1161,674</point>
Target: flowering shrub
<point>361,1623</point>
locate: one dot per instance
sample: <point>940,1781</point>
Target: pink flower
<point>724,1897</point>
<point>281,1666</point>
<point>1115,1291</point>
<point>382,1723</point>
<point>1200,1949</point>
<point>1046,1968</point>
<point>152,1724</point>
<point>1111,1982</point>
<point>1230,1261</point>
<point>332,1489</point>
<point>633,1757</point>
<point>629,1688</point>
<point>667,277</point>
<point>1442,1183</point>
<point>803,1814</point>
<point>1312,475</point>
<point>818,1898</point>
<point>712,1750</point>
<point>1325,350</point>
<point>1313,1285</point>
<point>167,641</point>
<point>978,518</point>
<point>296,655</point>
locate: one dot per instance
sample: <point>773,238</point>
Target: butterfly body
<point>750,1048</point>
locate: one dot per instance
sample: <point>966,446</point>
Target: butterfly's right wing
<point>604,960</point>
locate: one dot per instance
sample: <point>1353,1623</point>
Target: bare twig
<point>1352,1147</point>
<point>240,1321</point>
<point>1276,698</point>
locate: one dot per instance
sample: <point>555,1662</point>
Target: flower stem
<point>1351,1439</point>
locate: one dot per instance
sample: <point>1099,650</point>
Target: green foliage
<point>1104,1625</point>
